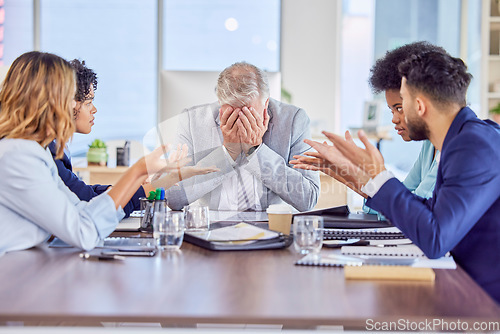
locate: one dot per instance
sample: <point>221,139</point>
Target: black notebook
<point>341,217</point>
<point>241,236</point>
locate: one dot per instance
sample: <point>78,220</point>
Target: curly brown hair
<point>384,75</point>
<point>85,77</point>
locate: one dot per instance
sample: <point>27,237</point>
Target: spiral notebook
<point>395,268</point>
<point>400,255</point>
<point>337,260</point>
<point>388,233</point>
<point>395,251</point>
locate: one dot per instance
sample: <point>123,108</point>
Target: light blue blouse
<point>35,203</point>
<point>422,177</point>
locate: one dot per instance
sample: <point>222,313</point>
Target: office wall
<point>310,51</point>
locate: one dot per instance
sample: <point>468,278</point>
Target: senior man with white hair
<point>251,138</point>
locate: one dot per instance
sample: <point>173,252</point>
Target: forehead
<point>392,96</point>
<point>404,87</point>
<point>255,103</point>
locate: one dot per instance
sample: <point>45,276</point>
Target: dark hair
<point>84,78</point>
<point>384,75</point>
<point>440,76</point>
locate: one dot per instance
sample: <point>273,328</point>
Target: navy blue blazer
<point>84,191</point>
<point>463,215</point>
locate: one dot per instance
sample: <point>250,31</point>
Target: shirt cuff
<point>253,150</point>
<point>374,185</point>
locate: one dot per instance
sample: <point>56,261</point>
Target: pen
<point>88,256</point>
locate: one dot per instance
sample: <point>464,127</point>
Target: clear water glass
<point>308,234</point>
<point>169,232</point>
<point>197,218</point>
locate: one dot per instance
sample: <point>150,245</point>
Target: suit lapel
<point>216,141</point>
<point>266,139</point>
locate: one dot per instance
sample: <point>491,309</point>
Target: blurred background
<point>319,52</point>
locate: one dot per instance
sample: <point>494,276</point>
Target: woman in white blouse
<point>36,107</point>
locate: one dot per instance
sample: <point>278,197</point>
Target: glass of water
<point>169,232</point>
<point>308,234</point>
<point>197,218</point>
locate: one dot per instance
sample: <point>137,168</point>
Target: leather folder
<point>280,241</point>
<point>341,217</point>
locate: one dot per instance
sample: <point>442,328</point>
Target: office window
<point>17,29</point>
<point>210,35</point>
<point>370,28</point>
<point>117,39</point>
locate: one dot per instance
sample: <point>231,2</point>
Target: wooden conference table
<point>50,286</point>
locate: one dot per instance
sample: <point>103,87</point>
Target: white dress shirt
<point>231,198</point>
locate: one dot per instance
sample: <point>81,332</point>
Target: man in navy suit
<point>463,215</point>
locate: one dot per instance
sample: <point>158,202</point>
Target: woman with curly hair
<point>37,103</point>
<point>83,115</point>
<point>385,77</point>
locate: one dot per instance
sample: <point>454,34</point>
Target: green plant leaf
<point>496,109</point>
<point>97,143</point>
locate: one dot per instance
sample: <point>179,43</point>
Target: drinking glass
<point>308,234</point>
<point>169,232</point>
<point>197,218</point>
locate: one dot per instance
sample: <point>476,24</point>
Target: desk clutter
<point>404,255</point>
<point>366,247</point>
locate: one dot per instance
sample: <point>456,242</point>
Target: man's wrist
<point>233,149</point>
<point>373,185</point>
<point>229,157</point>
<point>251,150</point>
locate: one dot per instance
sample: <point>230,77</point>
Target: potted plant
<point>97,153</point>
<point>495,113</point>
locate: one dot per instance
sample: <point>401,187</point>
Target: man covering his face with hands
<point>250,137</point>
